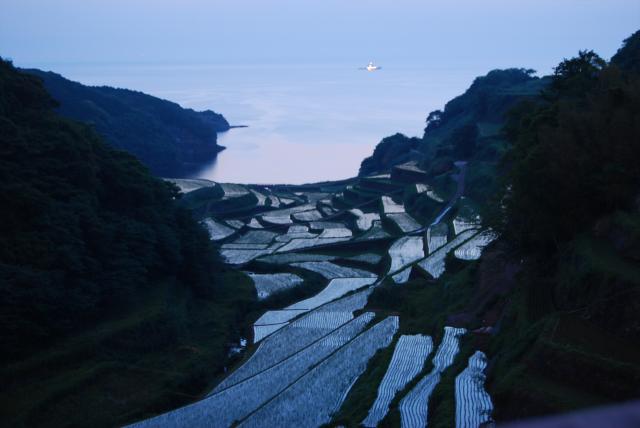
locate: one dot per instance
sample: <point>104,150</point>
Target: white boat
<point>372,67</point>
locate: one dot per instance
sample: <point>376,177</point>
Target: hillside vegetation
<point>570,332</point>
<point>552,166</point>
<point>170,140</point>
<point>114,303</point>
<point>468,128</point>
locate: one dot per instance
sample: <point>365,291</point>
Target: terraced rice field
<point>187,185</point>
<point>297,335</point>
<point>312,197</point>
<point>254,224</point>
<point>402,276</point>
<point>364,221</point>
<point>334,233</point>
<point>256,237</point>
<point>314,397</point>
<point>288,258</point>
<point>389,206</point>
<point>414,405</point>
<point>405,222</point>
<point>434,264</point>
<point>428,190</point>
<point>272,321</point>
<point>321,225</point>
<point>404,251</point>
<point>331,270</point>
<point>287,212</point>
<point>233,190</point>
<point>236,224</point>
<point>337,287</point>
<point>312,215</point>
<point>277,220</point>
<point>376,232</point>
<point>273,201</point>
<point>437,236</point>
<point>286,201</point>
<point>407,361</point>
<point>327,210</point>
<point>473,404</point>
<point>222,408</point>
<point>472,249</point>
<point>241,256</point>
<point>262,199</point>
<point>296,232</point>
<point>308,354</point>
<point>460,224</point>
<point>300,244</point>
<point>217,231</point>
<point>269,284</point>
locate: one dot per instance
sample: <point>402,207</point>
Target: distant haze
<point>488,33</point>
<point>289,68</point>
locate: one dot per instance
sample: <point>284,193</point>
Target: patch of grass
<point>442,403</point>
<point>602,257</point>
<point>424,307</point>
<point>425,304</point>
<point>363,393</point>
<point>146,359</point>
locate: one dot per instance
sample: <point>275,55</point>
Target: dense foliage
<point>628,57</point>
<point>98,265</point>
<point>575,152</point>
<point>170,140</point>
<point>467,128</point>
<point>390,151</point>
<point>571,329</point>
<point>554,161</point>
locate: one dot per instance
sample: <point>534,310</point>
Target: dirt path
<point>462,166</point>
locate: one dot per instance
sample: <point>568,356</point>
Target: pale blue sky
<point>445,33</point>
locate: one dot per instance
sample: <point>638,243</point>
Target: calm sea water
<point>305,123</point>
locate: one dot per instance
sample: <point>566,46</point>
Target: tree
<point>628,56</point>
<point>434,120</point>
<point>464,139</point>
<point>576,75</point>
<point>575,154</point>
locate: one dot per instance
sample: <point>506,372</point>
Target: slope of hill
<point>114,304</point>
<point>170,140</point>
<point>469,129</point>
<point>570,331</point>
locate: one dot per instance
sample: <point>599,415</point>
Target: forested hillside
<point>170,140</point>
<point>570,333</point>
<point>114,303</point>
<point>468,128</point>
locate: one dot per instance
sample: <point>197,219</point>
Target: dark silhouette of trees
<point>464,139</point>
<point>628,56</point>
<point>575,153</point>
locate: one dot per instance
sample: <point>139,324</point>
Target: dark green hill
<point>570,330</point>
<point>114,305</point>
<point>170,140</point>
<point>468,127</point>
<point>628,56</point>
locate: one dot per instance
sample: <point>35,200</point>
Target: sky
<point>443,33</point>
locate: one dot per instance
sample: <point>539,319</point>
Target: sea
<point>301,123</point>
